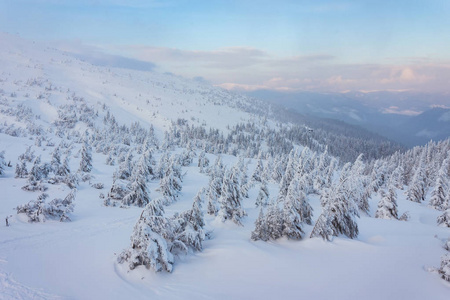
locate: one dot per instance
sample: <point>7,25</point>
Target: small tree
<point>263,195</point>
<point>86,158</point>
<point>138,194</point>
<point>261,231</point>
<point>444,219</point>
<point>387,207</point>
<point>439,194</point>
<point>444,270</point>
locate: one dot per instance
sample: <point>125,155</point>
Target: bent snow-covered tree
<point>149,247</point>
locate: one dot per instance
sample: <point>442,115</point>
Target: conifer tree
<point>149,245</point>
<point>190,230</point>
<point>138,193</point>
<point>274,221</point>
<point>259,170</point>
<point>439,193</point>
<point>444,219</point>
<point>21,170</point>
<point>261,231</point>
<point>86,158</point>
<point>444,270</point>
<point>417,187</point>
<point>263,195</point>
<point>230,198</point>
<point>387,207</point>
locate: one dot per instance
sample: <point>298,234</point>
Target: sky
<point>285,45</point>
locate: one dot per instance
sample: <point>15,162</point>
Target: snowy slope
<point>33,70</point>
<point>78,259</point>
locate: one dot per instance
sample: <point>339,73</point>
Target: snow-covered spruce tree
<point>297,195</point>
<point>138,193</point>
<point>35,176</point>
<point>261,231</point>
<point>171,183</point>
<point>444,219</point>
<point>357,185</point>
<point>263,195</point>
<point>34,209</point>
<point>161,166</point>
<point>274,221</point>
<point>86,158</point>
<point>21,170</point>
<point>56,159</point>
<point>125,167</point>
<point>387,207</point>
<point>203,162</point>
<point>444,270</point>
<point>39,211</point>
<point>148,241</point>
<point>214,189</point>
<point>230,198</point>
<point>190,225</point>
<point>289,174</point>
<point>256,177</point>
<point>245,184</point>
<point>61,208</point>
<point>149,162</point>
<point>417,187</point>
<point>439,193</point>
<point>323,227</point>
<point>397,178</point>
<point>292,220</point>
<point>2,162</point>
<point>339,213</point>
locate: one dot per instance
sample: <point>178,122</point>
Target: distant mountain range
<point>406,117</point>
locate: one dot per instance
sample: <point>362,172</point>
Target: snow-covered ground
<point>78,259</point>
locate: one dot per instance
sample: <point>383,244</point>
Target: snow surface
<point>77,260</point>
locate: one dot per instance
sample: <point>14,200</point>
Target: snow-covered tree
<point>259,170</point>
<point>171,183</point>
<point>190,225</point>
<point>444,219</point>
<point>203,162</point>
<point>417,187</point>
<point>274,221</point>
<point>21,170</point>
<point>138,193</point>
<point>444,270</point>
<point>339,213</point>
<point>230,198</point>
<point>38,211</point>
<point>263,195</point>
<point>34,209</point>
<point>125,167</point>
<point>387,207</point>
<point>261,231</point>
<point>323,227</point>
<point>2,162</point>
<point>439,194</point>
<point>148,241</point>
<point>86,158</point>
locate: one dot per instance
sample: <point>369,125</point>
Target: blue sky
<point>298,45</point>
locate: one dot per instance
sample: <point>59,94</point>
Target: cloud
<point>249,68</point>
<point>97,57</point>
<point>396,110</point>
<point>229,58</point>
